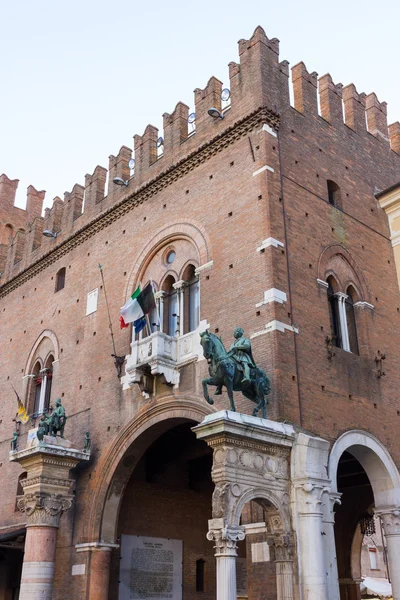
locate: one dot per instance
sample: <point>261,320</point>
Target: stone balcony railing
<point>162,354</point>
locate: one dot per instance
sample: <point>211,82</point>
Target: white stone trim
<point>273,295</point>
<point>179,284</point>
<point>268,129</point>
<point>270,242</point>
<point>262,169</point>
<point>201,268</point>
<point>395,239</point>
<point>252,528</point>
<point>362,304</point>
<point>96,545</point>
<point>274,326</point>
<point>322,283</point>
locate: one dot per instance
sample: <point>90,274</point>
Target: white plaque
<point>91,302</point>
<point>150,568</point>
<point>260,552</point>
<point>78,569</point>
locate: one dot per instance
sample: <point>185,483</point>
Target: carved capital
<point>224,497</point>
<point>309,497</point>
<point>390,520</point>
<point>44,509</point>
<point>282,544</point>
<point>225,538</point>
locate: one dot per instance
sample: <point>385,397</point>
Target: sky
<point>80,78</point>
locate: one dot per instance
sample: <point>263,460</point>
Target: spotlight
<point>160,142</point>
<point>215,113</point>
<point>192,118</point>
<point>131,164</point>
<point>120,181</point>
<point>225,95</point>
<point>49,234</point>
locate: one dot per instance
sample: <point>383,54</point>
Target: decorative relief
<point>46,480</point>
<point>267,466</point>
<point>44,509</point>
<point>223,497</point>
<point>310,497</point>
<point>283,546</point>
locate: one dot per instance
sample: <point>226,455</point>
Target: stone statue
<point>88,442</point>
<point>236,370</point>
<point>43,428</point>
<point>14,442</point>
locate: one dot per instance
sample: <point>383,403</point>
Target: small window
<point>60,279</point>
<point>334,314</point>
<point>200,575</point>
<point>351,321</point>
<point>170,257</point>
<point>333,193</point>
<point>372,558</point>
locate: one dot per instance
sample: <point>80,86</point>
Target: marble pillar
<point>225,539</point>
<point>391,526</point>
<point>282,545</point>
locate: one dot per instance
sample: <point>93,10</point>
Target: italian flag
<point>139,304</point>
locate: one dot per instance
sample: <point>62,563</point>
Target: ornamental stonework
<point>44,509</point>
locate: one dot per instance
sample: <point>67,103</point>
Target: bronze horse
<point>224,371</point>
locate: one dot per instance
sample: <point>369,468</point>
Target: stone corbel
<point>44,509</point>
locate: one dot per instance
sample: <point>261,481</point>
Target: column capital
<point>341,295</point>
<point>310,496</point>
<point>283,546</point>
<point>390,519</point>
<point>224,536</point>
<point>44,509</point>
<point>160,294</point>
<point>179,284</point>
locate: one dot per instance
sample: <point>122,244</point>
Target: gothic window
<point>351,320</point>
<point>342,317</point>
<point>60,279</point>
<point>333,193</point>
<point>334,313</point>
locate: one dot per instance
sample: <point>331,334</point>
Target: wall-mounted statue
<point>236,370</point>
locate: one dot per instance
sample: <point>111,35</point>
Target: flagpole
<point>118,360</point>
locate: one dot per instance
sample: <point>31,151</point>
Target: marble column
<point>329,499</point>
<point>311,544</point>
<point>283,549</point>
<point>179,287</point>
<point>47,495</point>
<point>391,526</point>
<point>225,538</point>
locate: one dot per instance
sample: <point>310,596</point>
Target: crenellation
<point>305,86</point>
<point>95,187</point>
<point>330,96</point>
<point>73,202</point>
<point>118,167</point>
<point>8,191</point>
<point>209,97</point>
<point>377,117</point>
<point>175,128</point>
<point>53,216</point>
<point>34,203</point>
<point>34,238</point>
<point>394,136</point>
<point>354,108</point>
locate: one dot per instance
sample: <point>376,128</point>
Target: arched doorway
<point>11,557</point>
<point>163,521</point>
<point>363,472</point>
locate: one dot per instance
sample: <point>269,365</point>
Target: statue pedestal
<point>47,494</point>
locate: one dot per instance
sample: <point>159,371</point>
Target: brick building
<point>256,213</point>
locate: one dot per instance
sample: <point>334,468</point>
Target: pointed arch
<point>47,333</point>
<point>335,260</point>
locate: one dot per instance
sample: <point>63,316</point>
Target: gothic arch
<point>375,460</point>
<point>347,273</point>
<point>190,231</point>
<point>120,458</point>
<point>47,333</point>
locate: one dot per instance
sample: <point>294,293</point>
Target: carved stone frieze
<point>46,481</point>
<point>44,509</point>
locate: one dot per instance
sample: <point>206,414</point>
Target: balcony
<point>162,354</point>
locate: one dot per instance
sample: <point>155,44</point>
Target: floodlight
<point>160,142</point>
<point>192,118</point>
<point>131,164</point>
<point>225,95</point>
<point>215,113</point>
<point>49,234</point>
<point>120,181</point>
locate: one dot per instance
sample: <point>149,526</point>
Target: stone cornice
<point>143,193</point>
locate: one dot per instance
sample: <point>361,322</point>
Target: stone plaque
<point>260,552</point>
<point>150,568</point>
<point>91,302</point>
<point>78,569</point>
<point>241,576</point>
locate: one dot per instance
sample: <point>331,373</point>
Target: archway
<point>364,474</point>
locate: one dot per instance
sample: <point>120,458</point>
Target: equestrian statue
<point>236,370</point>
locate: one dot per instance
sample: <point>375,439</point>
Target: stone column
<point>225,538</point>
<point>283,547</point>
<point>159,296</point>
<point>47,494</point>
<point>329,500</point>
<point>391,525</point>
<point>311,544</point>
<point>98,568</point>
<point>178,286</point>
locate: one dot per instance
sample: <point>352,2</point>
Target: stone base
<point>48,440</point>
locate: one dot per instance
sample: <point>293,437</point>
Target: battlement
<point>258,81</point>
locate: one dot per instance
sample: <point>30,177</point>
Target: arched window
<point>60,279</point>
<point>334,315</point>
<point>333,193</point>
<point>171,307</point>
<point>351,320</point>
<point>191,299</point>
